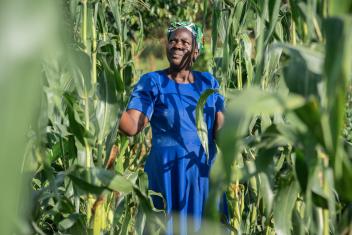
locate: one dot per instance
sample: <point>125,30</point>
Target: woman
<point>177,165</point>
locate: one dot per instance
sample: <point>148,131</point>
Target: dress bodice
<point>172,106</point>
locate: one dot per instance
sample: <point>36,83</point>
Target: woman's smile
<point>177,54</point>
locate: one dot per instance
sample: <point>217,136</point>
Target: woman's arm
<point>219,122</point>
<point>132,122</point>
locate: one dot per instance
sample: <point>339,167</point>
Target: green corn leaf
<point>81,72</point>
<point>298,224</point>
<point>215,24</point>
<point>267,193</point>
<point>310,115</point>
<point>247,55</point>
<point>68,222</point>
<point>309,62</point>
<point>106,108</point>
<point>337,68</point>
<point>302,171</point>
<point>285,200</point>
<point>126,222</point>
<point>121,156</point>
<point>120,184</point>
<point>76,127</point>
<point>260,46</point>
<point>231,136</point>
<point>141,220</point>
<point>202,128</point>
<point>274,9</point>
<point>320,200</point>
<point>235,20</point>
<point>119,80</point>
<point>343,177</point>
<point>257,102</point>
<point>95,180</point>
<point>339,7</point>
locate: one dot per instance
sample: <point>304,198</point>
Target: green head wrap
<point>193,28</point>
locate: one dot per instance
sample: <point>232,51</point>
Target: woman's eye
<point>182,42</point>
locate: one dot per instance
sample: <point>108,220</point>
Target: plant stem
<point>239,68</point>
<point>94,49</point>
<point>325,182</point>
<point>84,24</point>
<point>293,33</point>
<point>90,198</point>
<point>260,45</point>
<point>86,110</point>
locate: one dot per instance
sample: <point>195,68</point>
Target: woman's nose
<point>178,44</point>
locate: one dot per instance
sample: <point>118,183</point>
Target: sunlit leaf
<point>202,128</point>
<point>96,180</point>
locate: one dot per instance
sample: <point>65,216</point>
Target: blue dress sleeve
<point>219,99</point>
<point>143,96</point>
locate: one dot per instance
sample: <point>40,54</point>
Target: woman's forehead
<point>181,33</point>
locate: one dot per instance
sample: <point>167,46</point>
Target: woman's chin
<point>175,64</point>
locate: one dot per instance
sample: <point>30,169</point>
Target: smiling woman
<point>177,166</point>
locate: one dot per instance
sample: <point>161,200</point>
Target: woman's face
<point>179,49</point>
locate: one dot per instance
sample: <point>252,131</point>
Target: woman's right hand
<point>132,122</point>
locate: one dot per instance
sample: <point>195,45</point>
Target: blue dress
<point>177,165</point>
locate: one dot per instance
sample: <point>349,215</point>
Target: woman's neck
<point>180,76</point>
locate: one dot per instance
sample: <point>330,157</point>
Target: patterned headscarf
<point>193,28</point>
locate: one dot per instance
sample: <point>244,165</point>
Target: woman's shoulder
<point>148,82</point>
<point>152,77</point>
<point>149,75</point>
<point>206,78</point>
